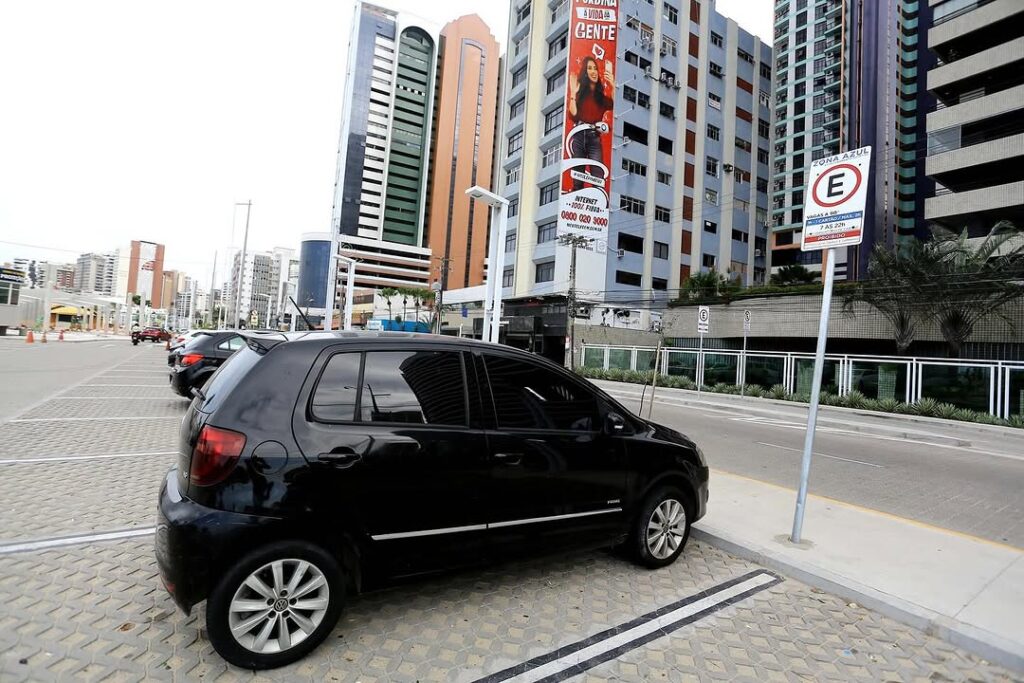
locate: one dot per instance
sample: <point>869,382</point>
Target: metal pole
<point>241,265</point>
<point>812,413</point>
<point>570,304</point>
<point>654,379</point>
<point>489,285</point>
<point>212,299</point>
<point>699,373</point>
<point>743,362</point>
<point>499,267</point>
<point>350,288</point>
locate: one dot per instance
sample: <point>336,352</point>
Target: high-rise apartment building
<point>976,133</point>
<point>689,120</point>
<point>417,125</point>
<point>850,74</point>
<point>94,273</point>
<point>463,151</point>
<point>259,289</point>
<point>140,268</point>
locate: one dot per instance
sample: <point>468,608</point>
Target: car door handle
<point>509,458</point>
<point>342,457</point>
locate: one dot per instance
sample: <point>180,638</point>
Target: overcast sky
<point>143,120</point>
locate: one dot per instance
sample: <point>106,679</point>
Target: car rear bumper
<point>193,542</point>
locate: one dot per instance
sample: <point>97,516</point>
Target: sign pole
<point>743,364</point>
<point>812,414</point>
<point>700,363</point>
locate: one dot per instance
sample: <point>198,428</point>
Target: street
<point>956,477</point>
<point>82,458</point>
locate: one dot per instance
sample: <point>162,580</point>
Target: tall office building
<point>258,290</point>
<point>463,151</point>
<point>681,137</point>
<point>383,152</point>
<point>139,270</point>
<point>94,273</point>
<point>849,74</point>
<point>976,134</point>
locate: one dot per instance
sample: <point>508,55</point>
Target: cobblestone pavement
<point>97,611</point>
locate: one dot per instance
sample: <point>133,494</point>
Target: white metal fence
<point>995,387</point>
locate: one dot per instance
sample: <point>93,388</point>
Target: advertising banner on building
<point>587,138</point>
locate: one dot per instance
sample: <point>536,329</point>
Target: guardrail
<point>995,387</point>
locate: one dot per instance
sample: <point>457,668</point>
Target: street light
<point>350,283</point>
<point>495,259</point>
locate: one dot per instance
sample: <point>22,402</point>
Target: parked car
<point>182,338</point>
<point>154,334</point>
<point>313,464</point>
<point>193,364</point>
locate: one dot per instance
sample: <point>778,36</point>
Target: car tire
<point>251,636</point>
<point>661,528</point>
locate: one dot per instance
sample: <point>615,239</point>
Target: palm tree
<point>792,275</point>
<point>387,293</point>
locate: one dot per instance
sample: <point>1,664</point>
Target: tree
<point>700,286</point>
<point>387,293</point>
<point>792,275</point>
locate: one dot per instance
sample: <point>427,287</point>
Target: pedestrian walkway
<point>964,589</point>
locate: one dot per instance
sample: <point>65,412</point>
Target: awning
<point>64,310</point>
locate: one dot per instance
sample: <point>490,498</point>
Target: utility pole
<point>572,241</point>
<point>211,301</point>
<point>241,263</point>
<point>443,269</point>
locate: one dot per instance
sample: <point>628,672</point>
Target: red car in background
<point>153,334</point>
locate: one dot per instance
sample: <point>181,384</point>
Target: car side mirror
<point>614,424</point>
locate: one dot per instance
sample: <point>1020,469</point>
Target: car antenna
<point>308,325</point>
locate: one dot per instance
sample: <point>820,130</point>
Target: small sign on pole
<point>833,217</point>
<point>703,318</point>
<point>746,321</point>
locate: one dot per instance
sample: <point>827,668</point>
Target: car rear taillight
<point>190,358</point>
<point>215,455</point>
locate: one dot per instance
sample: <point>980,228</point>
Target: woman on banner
<point>590,98</point>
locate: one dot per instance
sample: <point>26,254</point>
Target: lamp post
<point>495,259</point>
<point>241,262</point>
<point>350,283</point>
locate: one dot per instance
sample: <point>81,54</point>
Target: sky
<point>124,120</point>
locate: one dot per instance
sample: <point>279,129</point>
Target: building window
<point>762,156</point>
<point>660,250</point>
<point>545,272</point>
<point>632,205</point>
<point>671,13</point>
<point>714,100</point>
<point>711,226</point>
<point>546,232</point>
<point>510,242</point>
<point>624,277</point>
<point>763,128</point>
<point>512,175</point>
<point>711,166</point>
<point>513,207</point>
<point>664,145</point>
<point>764,98</point>
<point>631,243</point>
<point>523,12</point>
<point>741,236</point>
<point>556,82</point>
<point>761,215</point>
<point>669,46</point>
<point>554,119</point>
<point>549,193</point>
<point>664,178</point>
<point>662,214</point>
<point>717,40</point>
<point>715,69</point>
<point>515,143</point>
<point>517,108</point>
<point>634,133</point>
<point>634,167</point>
<point>552,155</point>
<point>745,56</point>
<point>635,96</point>
<point>667,110</point>
<point>708,261</point>
<point>558,44</point>
<point>507,276</point>
<point>714,133</point>
<point>518,76</point>
<point>711,197</point>
<point>743,144</point>
<point>766,71</point>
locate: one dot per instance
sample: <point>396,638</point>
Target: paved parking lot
<point>89,462</point>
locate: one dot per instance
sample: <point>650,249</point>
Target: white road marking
<point>823,455</point>
<point>46,543</point>
<point>112,398</point>
<point>65,458</point>
<point>91,419</point>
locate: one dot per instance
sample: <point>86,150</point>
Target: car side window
<point>232,344</point>
<point>529,396</point>
<point>338,389</point>
<point>423,387</point>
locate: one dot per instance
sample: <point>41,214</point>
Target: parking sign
<point>746,321</point>
<point>703,319</point>
<point>834,207</point>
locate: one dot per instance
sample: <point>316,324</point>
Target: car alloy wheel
<point>278,606</point>
<point>666,529</point>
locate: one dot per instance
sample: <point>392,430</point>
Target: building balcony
<point>978,209</point>
<point>983,25</point>
<point>999,103</point>
<point>997,64</point>
<point>997,159</point>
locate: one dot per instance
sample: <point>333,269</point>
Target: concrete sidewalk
<point>966,590</point>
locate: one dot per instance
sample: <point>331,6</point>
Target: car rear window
<point>227,378</point>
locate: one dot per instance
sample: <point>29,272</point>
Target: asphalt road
<point>956,477</point>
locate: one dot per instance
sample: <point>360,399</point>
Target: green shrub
<point>926,407</point>
<point>1016,421</point>
<point>615,375</point>
<point>855,399</point>
<point>964,414</point>
<point>778,392</point>
<point>799,398</point>
<point>827,399</point>
<point>888,405</point>
<point>947,411</point>
<point>871,404</point>
<point>754,390</point>
<point>905,408</point>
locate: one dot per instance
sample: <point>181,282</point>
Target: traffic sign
<point>703,318</point>
<point>834,207</point>
<point>746,321</point>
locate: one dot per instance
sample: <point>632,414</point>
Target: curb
<point>984,644</point>
<point>729,400</point>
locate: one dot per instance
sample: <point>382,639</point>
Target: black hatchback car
<point>313,464</point>
<point>191,365</point>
